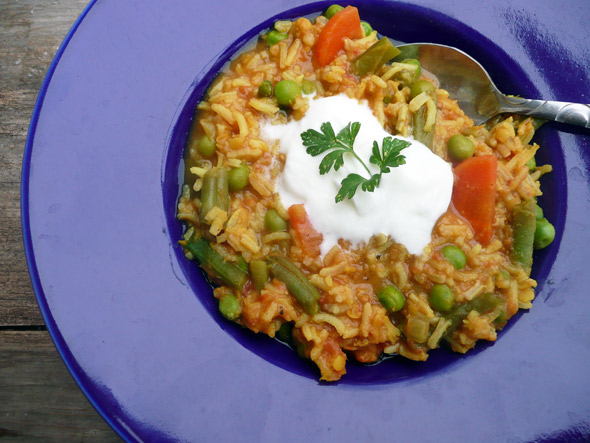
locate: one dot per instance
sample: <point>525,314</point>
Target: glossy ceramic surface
<point>137,327</point>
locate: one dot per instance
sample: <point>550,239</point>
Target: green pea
<point>274,222</point>
<point>229,306</point>
<point>420,86</point>
<point>455,256</point>
<point>544,234</point>
<point>332,10</point>
<point>367,28</point>
<point>532,164</point>
<point>441,298</point>
<point>238,178</point>
<point>273,37</point>
<point>387,100</point>
<point>265,89</point>
<point>538,212</point>
<point>206,146</point>
<point>286,91</point>
<point>391,298</point>
<point>307,87</point>
<point>460,148</point>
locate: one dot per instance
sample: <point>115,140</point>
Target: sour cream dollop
<point>407,203</point>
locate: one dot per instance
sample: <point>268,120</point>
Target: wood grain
<point>39,400</point>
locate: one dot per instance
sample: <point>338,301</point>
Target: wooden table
<point>39,400</point>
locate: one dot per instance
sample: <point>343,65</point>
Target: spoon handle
<point>564,112</point>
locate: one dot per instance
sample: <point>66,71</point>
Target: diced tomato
<point>343,24</point>
<point>474,194</point>
<point>309,239</point>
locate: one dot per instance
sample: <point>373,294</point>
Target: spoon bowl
<point>477,95</point>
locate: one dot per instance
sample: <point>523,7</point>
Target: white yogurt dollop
<point>407,203</point>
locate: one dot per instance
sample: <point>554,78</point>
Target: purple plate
<point>136,324</point>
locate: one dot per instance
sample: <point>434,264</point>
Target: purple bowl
<point>101,177</point>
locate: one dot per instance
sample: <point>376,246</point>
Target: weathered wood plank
<point>39,400</point>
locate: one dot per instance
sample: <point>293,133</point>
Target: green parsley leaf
<point>317,143</point>
<point>388,157</point>
<point>349,186</point>
<point>348,133</point>
<point>334,158</point>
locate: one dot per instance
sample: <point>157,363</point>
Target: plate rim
<point>64,352</point>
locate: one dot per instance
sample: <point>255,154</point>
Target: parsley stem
<point>362,163</point>
<point>348,149</point>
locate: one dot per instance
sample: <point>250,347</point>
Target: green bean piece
<point>273,37</point>
<point>441,298</point>
<point>524,224</point>
<point>407,51</point>
<point>274,222</point>
<point>307,87</point>
<point>408,77</point>
<point>538,212</point>
<point>373,58</point>
<point>286,91</point>
<point>419,117</point>
<point>297,283</point>
<point>333,9</point>
<point>391,298</point>
<point>460,148</point>
<point>189,235</point>
<point>503,277</point>
<point>229,306</point>
<point>242,264</point>
<point>367,28</point>
<point>238,178</point>
<point>532,164</point>
<point>206,146</point>
<point>214,192</point>
<point>414,62</point>
<point>420,86</point>
<point>301,349</point>
<point>265,89</point>
<point>455,256</point>
<point>215,265</point>
<point>544,234</point>
<point>501,319</point>
<point>418,121</point>
<point>483,304</point>
<point>285,333</point>
<point>259,273</point>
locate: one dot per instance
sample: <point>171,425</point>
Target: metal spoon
<point>469,83</point>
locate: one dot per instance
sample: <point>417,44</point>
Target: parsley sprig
<point>389,156</point>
